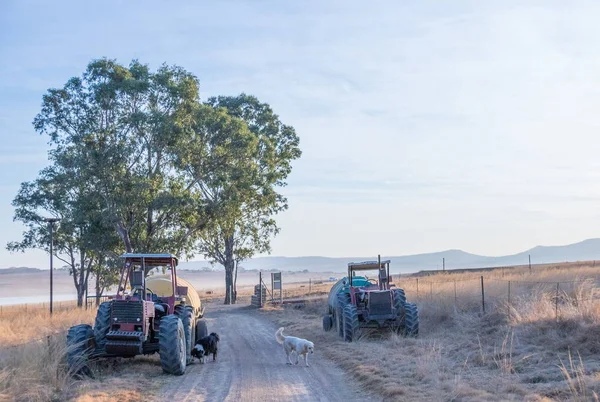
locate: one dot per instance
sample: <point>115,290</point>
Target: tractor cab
<point>366,292</point>
<point>133,285</point>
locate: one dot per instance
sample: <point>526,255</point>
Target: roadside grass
<point>515,352</point>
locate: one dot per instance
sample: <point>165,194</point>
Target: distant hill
<point>582,251</point>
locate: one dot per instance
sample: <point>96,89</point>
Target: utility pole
<point>51,222</point>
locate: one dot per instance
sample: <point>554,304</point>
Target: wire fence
<point>491,294</point>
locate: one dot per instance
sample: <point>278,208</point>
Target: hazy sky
<point>424,125</point>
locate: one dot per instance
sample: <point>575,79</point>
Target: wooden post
<point>482,295</point>
<point>556,303</point>
<point>444,264</point>
<point>455,298</point>
<point>260,300</point>
<point>417,288</point>
<point>309,285</point>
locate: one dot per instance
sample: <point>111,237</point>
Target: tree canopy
<point>139,163</point>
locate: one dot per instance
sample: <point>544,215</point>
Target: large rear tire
<point>351,325</point>
<point>171,346</point>
<point>80,345</point>
<point>186,314</point>
<point>411,320</point>
<point>102,325</point>
<point>342,300</point>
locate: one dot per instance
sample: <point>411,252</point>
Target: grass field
<point>517,351</point>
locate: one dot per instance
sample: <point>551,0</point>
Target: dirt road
<point>251,367</point>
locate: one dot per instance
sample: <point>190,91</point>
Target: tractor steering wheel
<point>373,281</point>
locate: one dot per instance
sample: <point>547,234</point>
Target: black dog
<point>206,346</point>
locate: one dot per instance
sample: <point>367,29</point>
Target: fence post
<point>417,288</point>
<point>482,295</point>
<point>309,284</point>
<point>455,298</point>
<point>556,305</point>
<point>508,292</point>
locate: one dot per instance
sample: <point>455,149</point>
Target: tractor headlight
<point>138,319</point>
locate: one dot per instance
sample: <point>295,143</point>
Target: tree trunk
<point>124,234</point>
<point>229,265</point>
<point>234,295</point>
<point>98,291</point>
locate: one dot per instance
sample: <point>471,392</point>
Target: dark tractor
<point>142,320</point>
<point>357,302</point>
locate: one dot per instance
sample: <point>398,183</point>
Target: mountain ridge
<point>585,250</point>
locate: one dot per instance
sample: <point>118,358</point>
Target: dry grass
<point>517,351</point>
<point>33,366</point>
<point>23,326</point>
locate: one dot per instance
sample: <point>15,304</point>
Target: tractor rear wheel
<point>351,325</point>
<point>102,325</point>
<point>411,320</point>
<point>186,314</point>
<point>80,345</point>
<point>201,330</point>
<point>342,300</point>
<point>171,345</point>
<point>327,322</point>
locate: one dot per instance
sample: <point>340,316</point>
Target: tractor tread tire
<point>201,330</point>
<point>399,302</point>
<point>80,345</point>
<point>186,314</point>
<point>102,325</point>
<point>411,320</point>
<point>342,300</point>
<point>351,324</point>
<point>171,346</point>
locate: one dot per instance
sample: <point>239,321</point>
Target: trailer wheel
<point>327,322</point>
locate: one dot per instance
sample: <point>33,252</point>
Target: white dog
<point>302,347</point>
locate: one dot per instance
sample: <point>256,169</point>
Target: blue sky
<point>424,125</point>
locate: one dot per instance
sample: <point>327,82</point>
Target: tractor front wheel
<point>411,320</point>
<point>351,325</point>
<point>171,345</point>
<point>327,322</point>
<point>80,345</point>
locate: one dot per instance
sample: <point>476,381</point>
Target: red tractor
<point>357,302</point>
<point>141,321</point>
